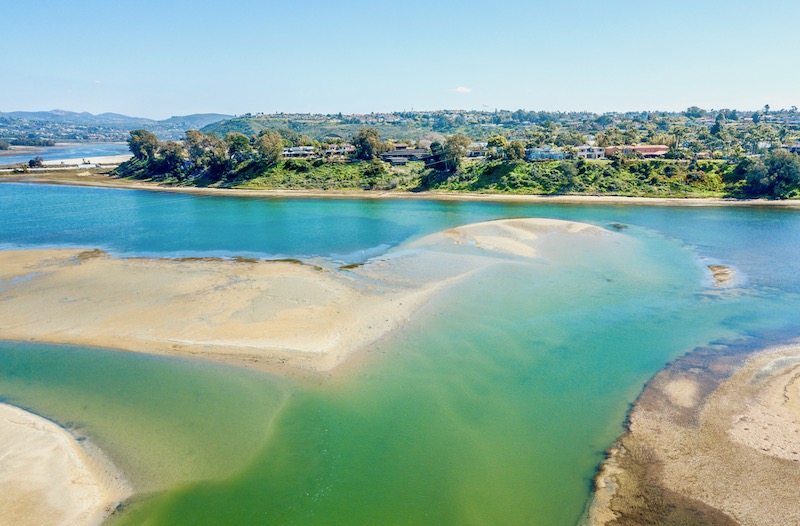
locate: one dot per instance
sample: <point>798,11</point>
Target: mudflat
<point>711,440</point>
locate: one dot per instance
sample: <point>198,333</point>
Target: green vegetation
<point>663,178</point>
<point>30,140</point>
<point>4,145</point>
<point>238,160</point>
<point>328,128</point>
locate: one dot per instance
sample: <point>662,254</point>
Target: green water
<point>493,406</point>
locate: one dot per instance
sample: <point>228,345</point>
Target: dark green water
<point>492,407</point>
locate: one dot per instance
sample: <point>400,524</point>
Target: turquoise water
<point>493,406</point>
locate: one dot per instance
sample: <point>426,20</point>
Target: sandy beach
<point>262,314</point>
<point>711,441</point>
<point>101,178</point>
<point>48,477</point>
<point>108,160</point>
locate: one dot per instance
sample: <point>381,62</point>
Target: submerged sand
<point>247,312</point>
<point>266,314</point>
<point>48,478</point>
<point>710,441</point>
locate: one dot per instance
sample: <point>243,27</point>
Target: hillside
<point>60,125</point>
<point>317,129</point>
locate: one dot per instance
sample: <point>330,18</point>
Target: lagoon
<point>493,405</point>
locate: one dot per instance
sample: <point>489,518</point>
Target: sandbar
<point>110,160</point>
<point>261,314</point>
<point>48,477</point>
<point>711,440</point>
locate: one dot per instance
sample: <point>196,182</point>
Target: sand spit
<point>49,477</point>
<point>109,160</point>
<point>256,313</point>
<point>711,440</point>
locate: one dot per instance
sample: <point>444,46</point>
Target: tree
<point>368,145</point>
<point>143,144</point>
<point>498,146</point>
<point>516,151</point>
<point>777,176</point>
<point>238,146</point>
<point>171,157</point>
<point>207,153</point>
<point>719,122</point>
<point>269,145</point>
<point>36,162</point>
<point>455,150</point>
<point>447,157</point>
<point>694,112</point>
<point>4,145</point>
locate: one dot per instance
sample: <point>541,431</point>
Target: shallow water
<point>492,407</point>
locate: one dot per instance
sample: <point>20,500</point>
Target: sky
<point>176,57</point>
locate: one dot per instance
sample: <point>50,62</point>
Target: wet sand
<point>281,316</point>
<point>48,477</point>
<point>262,314</point>
<point>713,439</point>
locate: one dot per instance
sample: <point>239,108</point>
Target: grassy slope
<point>656,178</point>
<point>635,178</point>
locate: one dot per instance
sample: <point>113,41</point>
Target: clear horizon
<point>157,60</point>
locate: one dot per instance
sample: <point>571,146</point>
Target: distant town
<point>722,133</point>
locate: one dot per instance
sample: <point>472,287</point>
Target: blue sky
<point>175,57</point>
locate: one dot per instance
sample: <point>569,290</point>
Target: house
<point>545,153</point>
<point>340,149</point>
<point>591,152</point>
<point>477,149</point>
<point>298,151</point>
<point>795,148</point>
<point>404,155</point>
<point>647,151</point>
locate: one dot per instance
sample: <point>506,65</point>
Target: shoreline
<point>103,180</point>
<point>50,476</point>
<point>714,438</point>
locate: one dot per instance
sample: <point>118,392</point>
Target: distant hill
<point>74,126</point>
<point>115,119</point>
<point>196,121</point>
<point>84,118</point>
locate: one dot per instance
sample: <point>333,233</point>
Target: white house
<point>591,152</point>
